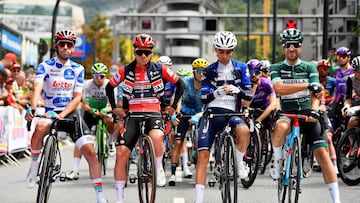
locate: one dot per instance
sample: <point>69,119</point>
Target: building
<point>179,30</point>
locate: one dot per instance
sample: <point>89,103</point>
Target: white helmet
<point>165,60</point>
<point>225,40</point>
<point>265,65</point>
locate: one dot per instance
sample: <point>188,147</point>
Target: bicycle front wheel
<point>100,149</point>
<point>252,159</point>
<point>46,170</point>
<point>295,172</point>
<point>266,150</point>
<point>348,156</point>
<point>230,172</point>
<point>146,171</point>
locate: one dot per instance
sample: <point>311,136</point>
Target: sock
<point>159,162</point>
<point>239,155</point>
<point>76,164</point>
<point>277,153</point>
<point>334,192</point>
<point>199,193</point>
<point>97,183</point>
<point>120,185</point>
<point>173,168</point>
<point>34,157</point>
<point>184,160</point>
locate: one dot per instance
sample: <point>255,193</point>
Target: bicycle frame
<point>101,144</point>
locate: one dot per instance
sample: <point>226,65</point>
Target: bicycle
<point>291,173</point>
<point>146,166</point>
<point>50,161</point>
<point>225,161</point>
<point>101,147</point>
<point>348,154</point>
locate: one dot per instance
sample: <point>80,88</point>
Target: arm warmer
<point>110,95</point>
<point>180,87</point>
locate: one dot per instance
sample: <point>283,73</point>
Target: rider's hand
<point>174,120</point>
<point>315,88</point>
<point>351,111</point>
<point>29,114</point>
<point>104,111</point>
<point>234,90</point>
<point>258,125</point>
<point>345,109</point>
<point>195,119</point>
<point>219,92</point>
<point>170,110</point>
<point>120,112</point>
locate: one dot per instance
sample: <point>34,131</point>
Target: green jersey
<point>302,72</point>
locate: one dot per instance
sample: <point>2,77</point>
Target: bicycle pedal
<point>62,177</point>
<point>132,178</point>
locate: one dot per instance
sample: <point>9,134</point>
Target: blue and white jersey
<point>191,102</point>
<point>60,81</point>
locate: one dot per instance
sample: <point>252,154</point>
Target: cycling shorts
<point>132,129</point>
<point>210,126</point>
<point>90,120</point>
<point>182,128</point>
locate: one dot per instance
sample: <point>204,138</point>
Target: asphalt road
<point>264,190</point>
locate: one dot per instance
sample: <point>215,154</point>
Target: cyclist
<point>265,68</point>
<point>143,92</point>
<point>225,82</point>
<point>298,85</point>
<point>329,84</point>
<point>94,105</point>
<point>340,74</point>
<point>190,105</point>
<point>61,81</point>
<point>264,96</point>
<point>352,98</point>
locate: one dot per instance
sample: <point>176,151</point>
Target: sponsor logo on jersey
<point>62,84</point>
<point>295,81</point>
<point>117,77</point>
<point>69,74</point>
<point>61,101</point>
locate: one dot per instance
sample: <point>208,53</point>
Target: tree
<point>102,43</point>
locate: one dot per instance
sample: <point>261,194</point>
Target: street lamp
<point>53,27</point>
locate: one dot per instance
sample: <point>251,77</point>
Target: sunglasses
<point>295,45</point>
<point>141,52</point>
<point>342,56</point>
<point>323,68</point>
<point>99,76</point>
<point>16,70</point>
<point>63,43</point>
<point>199,71</point>
<point>254,72</point>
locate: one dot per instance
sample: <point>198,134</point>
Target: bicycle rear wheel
<point>252,159</point>
<point>348,156</point>
<point>266,150</point>
<point>230,172</point>
<point>295,172</point>
<point>46,170</point>
<point>146,171</point>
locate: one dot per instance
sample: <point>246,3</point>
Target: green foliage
<point>100,37</point>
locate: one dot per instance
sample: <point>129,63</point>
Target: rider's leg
<point>74,174</point>
<point>332,152</point>
<point>203,160</point>
<point>122,157</point>
<point>242,139</point>
<point>175,156</point>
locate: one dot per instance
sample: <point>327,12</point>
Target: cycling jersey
<point>191,102</point>
<point>94,95</point>
<point>60,81</point>
<point>264,90</point>
<point>329,89</point>
<point>353,90</point>
<point>301,72</point>
<point>143,88</point>
<point>341,78</point>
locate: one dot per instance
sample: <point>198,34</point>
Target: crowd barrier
<point>14,136</point>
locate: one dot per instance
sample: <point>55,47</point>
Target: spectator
<point>11,100</point>
<point>8,61</point>
<point>3,94</point>
<point>332,60</point>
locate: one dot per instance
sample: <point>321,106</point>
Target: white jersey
<point>94,95</point>
<point>60,81</point>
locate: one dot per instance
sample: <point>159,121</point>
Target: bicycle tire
<point>349,164</point>
<point>252,158</point>
<point>46,169</point>
<point>147,171</point>
<point>99,147</point>
<point>230,172</point>
<point>282,188</point>
<point>266,151</point>
<point>295,172</point>
<point>104,152</point>
<point>127,171</point>
<point>307,160</point>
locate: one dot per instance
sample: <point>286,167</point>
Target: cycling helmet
<point>254,64</point>
<point>65,35</point>
<point>225,40</point>
<point>144,41</point>
<point>343,51</point>
<point>291,34</point>
<point>355,63</point>
<point>265,65</point>
<point>165,60</point>
<point>199,63</point>
<point>99,68</point>
<point>183,72</point>
<point>323,62</point>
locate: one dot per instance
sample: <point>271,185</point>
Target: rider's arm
<point>110,95</point>
<point>38,86</point>
<point>269,109</point>
<point>180,87</point>
<point>349,90</point>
